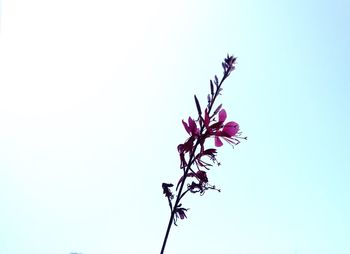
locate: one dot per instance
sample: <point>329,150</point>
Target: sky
<point>92,94</point>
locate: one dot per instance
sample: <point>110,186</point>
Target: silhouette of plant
<point>195,158</point>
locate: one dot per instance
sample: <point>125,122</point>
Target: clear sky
<point>92,94</point>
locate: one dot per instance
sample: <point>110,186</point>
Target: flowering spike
<point>194,151</point>
<point>229,65</point>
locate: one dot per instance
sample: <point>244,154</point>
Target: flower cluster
<point>196,156</point>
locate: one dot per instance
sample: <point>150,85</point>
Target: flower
<point>210,153</point>
<point>229,130</point>
<point>193,130</point>
<point>202,176</point>
<point>185,148</point>
<point>220,130</point>
<point>229,64</point>
<point>191,127</point>
<point>200,186</point>
<point>179,213</point>
<point>167,191</point>
<point>196,187</point>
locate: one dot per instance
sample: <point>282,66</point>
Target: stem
<point>217,92</point>
<point>167,231</point>
<point>178,198</point>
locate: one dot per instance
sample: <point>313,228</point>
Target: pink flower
<point>229,130</point>
<point>191,127</point>
<point>185,148</point>
<point>220,130</point>
<point>193,130</point>
<point>210,153</point>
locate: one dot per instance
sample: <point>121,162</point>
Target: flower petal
<point>181,213</point>
<point>206,118</point>
<point>192,126</point>
<point>186,127</point>
<point>210,151</point>
<point>218,142</point>
<point>230,129</point>
<point>222,115</point>
<point>202,176</point>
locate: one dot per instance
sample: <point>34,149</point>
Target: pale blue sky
<point>92,94</point>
